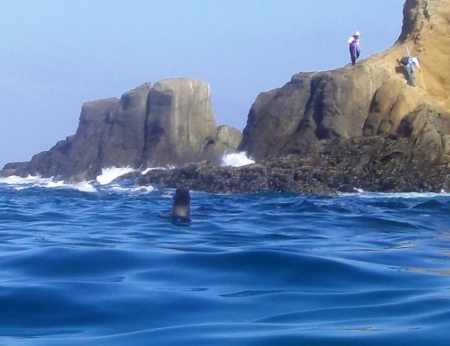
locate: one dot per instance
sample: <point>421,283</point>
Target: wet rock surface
<point>381,164</point>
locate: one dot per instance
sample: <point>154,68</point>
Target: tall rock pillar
<point>180,122</point>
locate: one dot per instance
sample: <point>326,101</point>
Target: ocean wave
<point>236,160</point>
<point>104,182</point>
<point>106,179</point>
<point>405,195</point>
<point>111,173</point>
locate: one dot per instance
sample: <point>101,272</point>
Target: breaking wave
<point>236,160</point>
<point>103,182</point>
<point>109,174</point>
<point>106,180</point>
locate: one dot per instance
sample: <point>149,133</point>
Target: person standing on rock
<point>410,63</point>
<point>354,47</point>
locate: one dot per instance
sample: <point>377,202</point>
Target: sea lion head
<point>181,203</point>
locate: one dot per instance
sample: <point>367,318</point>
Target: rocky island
<point>356,127</point>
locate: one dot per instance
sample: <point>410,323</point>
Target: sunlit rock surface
<point>369,99</point>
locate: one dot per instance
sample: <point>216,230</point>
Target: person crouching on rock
<point>410,63</point>
<point>354,47</point>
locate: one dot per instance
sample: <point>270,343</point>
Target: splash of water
<point>109,174</point>
<point>236,160</point>
<point>153,168</point>
<point>83,186</point>
<point>133,189</point>
<point>20,183</point>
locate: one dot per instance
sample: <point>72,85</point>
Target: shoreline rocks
<point>376,164</point>
<point>356,127</point>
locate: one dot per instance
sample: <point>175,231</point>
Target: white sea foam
<point>407,195</point>
<point>84,186</point>
<point>236,160</point>
<point>20,183</point>
<point>30,181</point>
<point>133,189</point>
<point>109,174</point>
<point>102,183</point>
<point>153,168</point>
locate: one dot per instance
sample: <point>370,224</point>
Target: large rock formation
<point>354,127</point>
<point>417,159</point>
<point>369,99</point>
<point>170,123</point>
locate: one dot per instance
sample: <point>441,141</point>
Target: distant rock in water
<point>171,123</point>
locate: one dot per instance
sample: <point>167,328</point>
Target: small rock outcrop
<point>171,123</point>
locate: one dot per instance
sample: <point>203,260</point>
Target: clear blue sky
<point>57,54</point>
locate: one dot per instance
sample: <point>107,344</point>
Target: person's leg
<point>352,55</point>
<point>410,73</point>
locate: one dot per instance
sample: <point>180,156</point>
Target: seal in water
<point>181,204</point>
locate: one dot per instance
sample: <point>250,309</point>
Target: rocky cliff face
<point>415,159</point>
<point>170,123</point>
<point>369,99</point>
<point>180,123</point>
<point>355,127</point>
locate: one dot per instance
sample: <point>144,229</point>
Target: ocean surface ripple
<point>104,265</point>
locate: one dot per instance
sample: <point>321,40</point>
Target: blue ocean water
<point>98,265</point>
